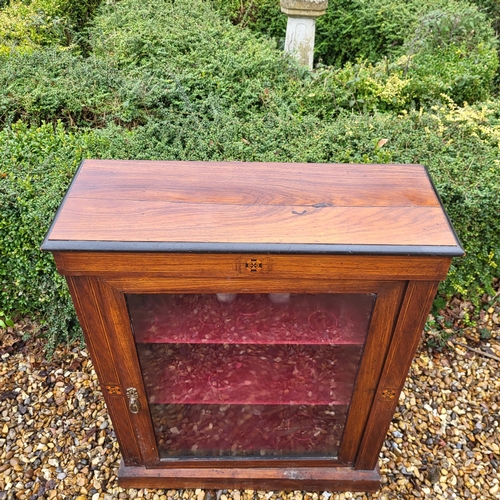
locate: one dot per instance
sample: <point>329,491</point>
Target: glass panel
<point>248,430</point>
<point>246,373</point>
<point>251,318</point>
<point>249,374</point>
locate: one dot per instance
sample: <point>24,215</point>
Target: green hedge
<point>49,85</point>
<point>36,165</point>
<point>358,29</point>
<point>28,24</point>
<point>492,9</point>
<point>430,47</point>
<point>149,58</point>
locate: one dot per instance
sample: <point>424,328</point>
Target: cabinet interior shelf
<point>248,430</point>
<point>249,374</point>
<point>322,319</point>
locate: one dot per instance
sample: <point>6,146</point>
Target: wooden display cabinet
<point>251,324</point>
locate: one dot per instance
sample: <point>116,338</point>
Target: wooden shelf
<point>249,374</point>
<point>251,319</point>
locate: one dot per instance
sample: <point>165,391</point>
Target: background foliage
<point>180,80</point>
<point>412,51</point>
<point>36,166</point>
<point>360,29</point>
<point>28,24</point>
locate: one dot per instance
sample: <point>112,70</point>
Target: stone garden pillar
<point>301,27</point>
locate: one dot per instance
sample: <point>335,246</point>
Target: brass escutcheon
<point>133,400</point>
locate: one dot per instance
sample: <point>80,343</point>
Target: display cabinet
<point>251,324</point>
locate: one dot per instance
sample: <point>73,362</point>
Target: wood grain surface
<point>241,183</point>
<point>412,316</point>
<point>148,266</point>
<point>271,478</point>
<point>139,201</point>
<point>85,295</point>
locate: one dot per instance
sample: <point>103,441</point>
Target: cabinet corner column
<point>407,333</point>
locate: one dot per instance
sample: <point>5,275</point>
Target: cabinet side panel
<point>414,310</point>
<point>377,343</point>
<point>82,290</point>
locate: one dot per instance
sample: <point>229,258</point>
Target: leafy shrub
<point>261,16</point>
<point>50,85</point>
<point>151,58</point>
<point>350,29</point>
<point>447,57</point>
<point>451,54</point>
<point>368,30</point>
<point>356,29</point>
<point>79,13</point>
<point>27,25</point>
<point>36,165</point>
<point>430,48</point>
<point>359,30</point>
<point>492,9</point>
<point>191,51</point>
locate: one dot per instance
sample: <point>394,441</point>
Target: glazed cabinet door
<point>206,371</point>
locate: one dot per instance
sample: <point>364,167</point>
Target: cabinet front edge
<point>226,247</point>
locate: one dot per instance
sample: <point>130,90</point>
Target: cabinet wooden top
<point>251,207</point>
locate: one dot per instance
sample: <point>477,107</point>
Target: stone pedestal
<point>301,27</point>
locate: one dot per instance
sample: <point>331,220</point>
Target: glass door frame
<point>117,324</point>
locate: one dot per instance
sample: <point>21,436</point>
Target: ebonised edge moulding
<point>251,324</point>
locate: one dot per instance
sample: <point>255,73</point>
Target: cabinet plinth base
<point>283,478</point>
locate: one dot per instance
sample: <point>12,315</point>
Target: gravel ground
<point>56,440</point>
